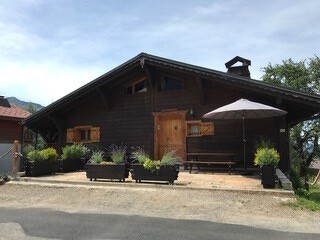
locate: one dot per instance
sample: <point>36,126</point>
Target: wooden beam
<point>56,122</point>
<point>59,125</point>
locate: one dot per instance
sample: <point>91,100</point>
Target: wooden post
<point>15,150</point>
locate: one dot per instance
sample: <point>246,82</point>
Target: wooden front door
<point>169,133</point>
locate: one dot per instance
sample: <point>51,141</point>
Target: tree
<point>305,76</point>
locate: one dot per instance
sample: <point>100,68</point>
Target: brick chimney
<point>242,70</point>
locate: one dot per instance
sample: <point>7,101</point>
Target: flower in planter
<point>41,162</point>
<point>117,153</point>
<point>139,155</point>
<point>74,151</point>
<point>152,165</point>
<point>170,158</point>
<point>97,157</point>
<point>48,154</point>
<point>104,163</point>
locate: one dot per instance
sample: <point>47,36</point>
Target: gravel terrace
<point>258,209</point>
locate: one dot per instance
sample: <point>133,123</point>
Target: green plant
<point>106,163</point>
<point>152,165</point>
<point>169,158</point>
<point>263,142</point>
<point>74,151</point>
<point>27,149</point>
<point>266,156</point>
<point>49,154</point>
<point>138,154</point>
<point>117,153</point>
<point>297,181</point>
<point>307,199</point>
<point>97,157</point>
<point>34,155</point>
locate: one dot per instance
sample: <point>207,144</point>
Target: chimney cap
<point>237,59</point>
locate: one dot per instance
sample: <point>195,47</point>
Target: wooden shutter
<point>207,128</point>
<point>95,134</point>
<point>70,135</point>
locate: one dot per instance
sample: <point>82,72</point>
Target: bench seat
<point>230,164</point>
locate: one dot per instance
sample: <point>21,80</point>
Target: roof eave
<point>315,99</point>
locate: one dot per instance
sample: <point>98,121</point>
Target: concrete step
<point>284,181</point>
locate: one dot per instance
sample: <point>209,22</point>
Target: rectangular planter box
<point>112,171</point>
<point>71,165</point>
<point>39,168</point>
<point>166,173</point>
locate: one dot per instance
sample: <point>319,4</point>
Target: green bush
<point>34,155</point>
<point>74,151</point>
<point>297,182</point>
<point>97,157</point>
<point>48,154</point>
<point>266,156</point>
<point>117,153</point>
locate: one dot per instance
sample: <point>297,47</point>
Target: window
<point>168,83</point>
<point>137,87</point>
<point>85,134</point>
<point>197,128</point>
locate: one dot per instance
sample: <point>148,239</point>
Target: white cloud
<point>49,48</point>
<point>43,82</point>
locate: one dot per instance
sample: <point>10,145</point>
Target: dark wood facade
<point>122,115</point>
<point>10,130</point>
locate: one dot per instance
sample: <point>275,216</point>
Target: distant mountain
<point>24,104</point>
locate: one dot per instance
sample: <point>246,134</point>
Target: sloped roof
<point>13,111</point>
<point>144,59</point>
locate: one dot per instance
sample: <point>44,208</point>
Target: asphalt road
<point>48,224</point>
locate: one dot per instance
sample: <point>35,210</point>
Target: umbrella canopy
<point>243,109</point>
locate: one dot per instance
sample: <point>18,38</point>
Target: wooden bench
<point>193,159</point>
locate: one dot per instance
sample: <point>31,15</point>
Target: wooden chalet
<point>158,104</point>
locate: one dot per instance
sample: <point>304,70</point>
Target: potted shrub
<point>117,168</point>
<point>154,170</point>
<point>73,157</point>
<point>41,162</point>
<point>267,159</point>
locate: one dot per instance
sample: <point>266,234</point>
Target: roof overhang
<point>143,59</point>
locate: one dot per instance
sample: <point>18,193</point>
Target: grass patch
<point>307,200</point>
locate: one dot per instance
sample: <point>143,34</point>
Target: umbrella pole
<point>244,143</point>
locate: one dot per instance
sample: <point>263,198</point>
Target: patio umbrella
<point>243,109</point>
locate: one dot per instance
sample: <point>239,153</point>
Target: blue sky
<point>49,48</point>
